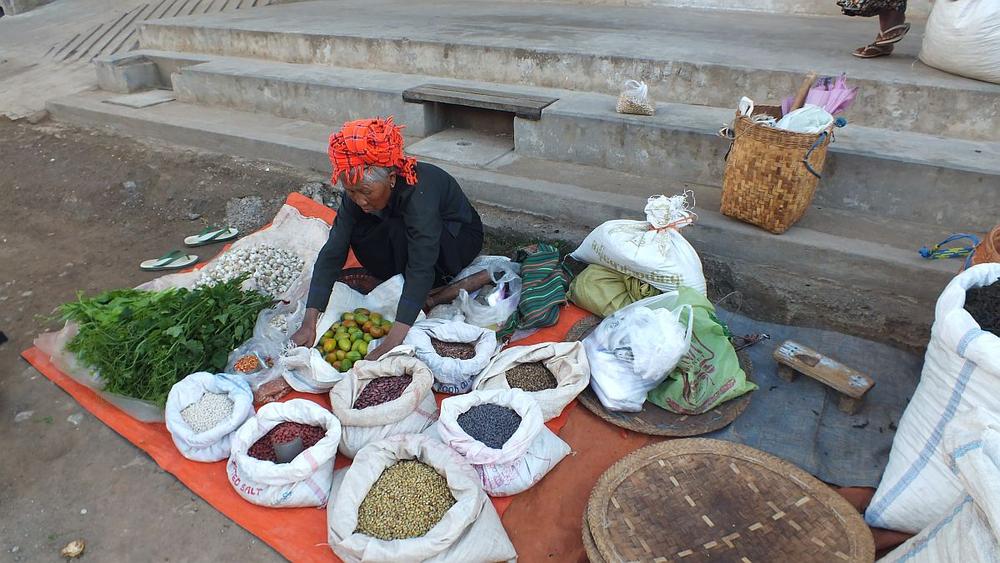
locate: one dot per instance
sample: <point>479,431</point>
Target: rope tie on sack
<point>939,251</point>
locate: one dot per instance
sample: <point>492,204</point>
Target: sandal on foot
<point>170,261</point>
<point>212,235</point>
<point>872,51</point>
<point>892,35</point>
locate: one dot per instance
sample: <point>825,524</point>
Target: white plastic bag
<point>212,444</point>
<point>491,306</point>
<point>653,250</point>
<point>961,371</point>
<point>807,119</point>
<point>634,99</point>
<point>566,360</point>
<point>268,354</point>
<point>452,375</point>
<point>635,349</point>
<point>470,532</point>
<point>280,322</point>
<point>304,481</point>
<point>411,413</point>
<point>963,37</point>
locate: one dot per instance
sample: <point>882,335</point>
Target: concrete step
<point>835,269</point>
<point>915,9</point>
<point>687,56</point>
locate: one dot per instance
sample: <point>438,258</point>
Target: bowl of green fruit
<point>349,339</point>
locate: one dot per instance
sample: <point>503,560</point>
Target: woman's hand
<point>306,335</point>
<point>395,337</point>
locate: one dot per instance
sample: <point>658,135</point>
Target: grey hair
<point>377,174</point>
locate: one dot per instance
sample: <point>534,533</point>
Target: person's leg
<point>459,251</point>
<point>892,28</point>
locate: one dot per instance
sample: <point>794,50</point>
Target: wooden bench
<point>522,105</point>
<point>794,358</point>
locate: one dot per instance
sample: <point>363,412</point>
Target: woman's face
<point>371,196</point>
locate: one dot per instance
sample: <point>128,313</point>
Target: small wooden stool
<point>794,358</point>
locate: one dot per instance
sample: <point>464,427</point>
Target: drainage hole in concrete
<point>464,144</point>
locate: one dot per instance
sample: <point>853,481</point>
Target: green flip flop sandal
<point>171,261</point>
<point>212,235</point>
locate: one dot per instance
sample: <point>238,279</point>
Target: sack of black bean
<point>411,498</point>
<point>202,412</point>
<point>253,469</point>
<point>502,434</point>
<point>554,373</point>
<point>455,352</point>
<point>381,399</point>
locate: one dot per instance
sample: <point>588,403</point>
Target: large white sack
<point>214,443</point>
<point>304,481</point>
<point>963,37</point>
<point>470,532</point>
<point>968,531</point>
<point>566,360</point>
<point>452,375</point>
<point>653,250</point>
<point>961,371</point>
<point>411,413</point>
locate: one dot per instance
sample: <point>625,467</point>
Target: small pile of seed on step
<point>458,350</point>
<point>532,376</point>
<point>263,448</point>
<point>491,424</point>
<point>382,390</point>
<point>983,303</point>
<point>406,501</point>
<point>207,412</point>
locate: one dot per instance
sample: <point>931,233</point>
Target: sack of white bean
<point>554,373</point>
<point>202,412</point>
<point>469,531</point>
<point>306,479</point>
<point>380,399</point>
<point>454,370</point>
<point>502,434</point>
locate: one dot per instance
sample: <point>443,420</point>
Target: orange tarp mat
<point>299,534</point>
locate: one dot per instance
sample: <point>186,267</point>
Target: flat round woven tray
<point>709,500</point>
<point>654,420</point>
<point>359,280</point>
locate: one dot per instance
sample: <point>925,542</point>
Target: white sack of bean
<point>502,434</point>
<point>455,352</point>
<point>202,412</point>
<point>304,368</point>
<point>554,373</point>
<point>381,399</point>
<point>376,516</point>
<point>306,479</point>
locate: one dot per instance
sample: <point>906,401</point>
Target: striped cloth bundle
<point>545,281</point>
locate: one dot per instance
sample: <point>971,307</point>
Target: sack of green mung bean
<point>502,434</point>
<point>409,524</point>
<point>554,373</point>
<point>455,352</point>
<point>381,399</point>
<point>304,481</point>
<point>202,412</point>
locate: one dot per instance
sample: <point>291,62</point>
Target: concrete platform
<point>915,9</point>
<point>687,56</point>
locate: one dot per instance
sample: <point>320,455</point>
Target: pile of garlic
<point>272,270</point>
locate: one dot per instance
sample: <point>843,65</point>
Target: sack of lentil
<point>455,352</point>
<point>445,517</point>
<point>553,373</point>
<point>502,434</point>
<point>380,399</point>
<point>202,412</point>
<point>306,479</point>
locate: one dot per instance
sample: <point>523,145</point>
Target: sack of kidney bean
<point>380,399</point>
<point>202,412</point>
<point>502,434</point>
<point>303,481</point>
<point>416,489</point>
<point>553,372</point>
<point>454,351</point>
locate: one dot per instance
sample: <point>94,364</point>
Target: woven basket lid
<point>709,500</point>
<point>359,280</point>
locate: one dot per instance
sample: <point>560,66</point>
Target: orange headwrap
<point>369,142</point>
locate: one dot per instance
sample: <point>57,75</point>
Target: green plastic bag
<point>709,374</point>
<point>602,291</point>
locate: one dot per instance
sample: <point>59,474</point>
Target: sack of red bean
<point>455,351</point>
<point>306,479</point>
<point>366,522</point>
<point>502,434</point>
<point>381,399</point>
<point>202,412</point>
<point>553,372</point>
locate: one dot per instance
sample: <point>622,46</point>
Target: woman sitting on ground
<point>892,24</point>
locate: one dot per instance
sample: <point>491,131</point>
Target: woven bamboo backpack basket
<point>771,174</point>
<point>989,249</point>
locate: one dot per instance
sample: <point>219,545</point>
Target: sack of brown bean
<point>634,99</point>
<point>202,412</point>
<point>381,399</point>
<point>362,515</point>
<point>304,481</point>
<point>501,433</point>
<point>554,373</point>
<point>455,352</point>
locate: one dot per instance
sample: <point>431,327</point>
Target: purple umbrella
<point>829,93</point>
